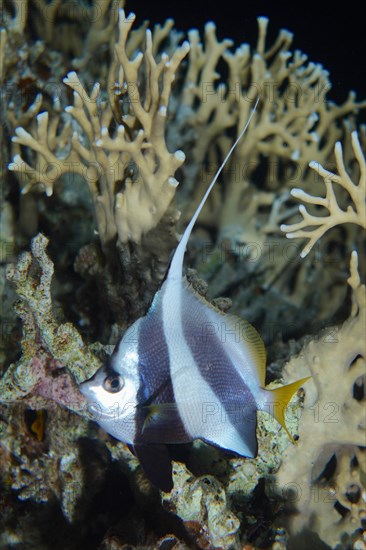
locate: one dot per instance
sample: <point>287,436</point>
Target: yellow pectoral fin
<point>280,398</point>
<point>157,413</point>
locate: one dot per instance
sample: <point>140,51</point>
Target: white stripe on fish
<point>185,371</point>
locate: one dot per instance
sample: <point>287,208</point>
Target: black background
<point>332,36</point>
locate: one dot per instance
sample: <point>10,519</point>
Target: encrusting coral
<point>326,470</point>
<point>32,277</point>
<point>126,103</point>
<point>203,506</point>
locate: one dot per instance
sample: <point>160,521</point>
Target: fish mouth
<point>96,413</point>
<point>90,384</point>
<point>86,389</point>
<point>94,410</point>
<point>91,402</point>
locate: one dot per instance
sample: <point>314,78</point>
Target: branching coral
<point>93,23</point>
<point>121,133</point>
<point>17,21</point>
<point>3,40</point>
<point>126,162</point>
<point>313,227</point>
<point>294,123</point>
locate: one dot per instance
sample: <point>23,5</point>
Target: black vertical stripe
<point>156,387</point>
<point>237,403</point>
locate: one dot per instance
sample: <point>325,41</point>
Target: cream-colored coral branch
<point>312,226</point>
<point>48,166</point>
<point>127,165</point>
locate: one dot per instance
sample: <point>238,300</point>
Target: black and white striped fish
<point>185,371</point>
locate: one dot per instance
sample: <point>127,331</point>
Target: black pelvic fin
<point>157,465</point>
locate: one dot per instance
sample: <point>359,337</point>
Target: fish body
<point>182,372</point>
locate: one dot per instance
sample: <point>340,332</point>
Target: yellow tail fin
<point>279,398</point>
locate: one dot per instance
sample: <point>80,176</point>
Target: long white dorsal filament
<point>176,266</point>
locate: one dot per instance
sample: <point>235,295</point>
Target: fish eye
<point>113,383</point>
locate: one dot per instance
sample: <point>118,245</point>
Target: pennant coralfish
<point>185,371</point>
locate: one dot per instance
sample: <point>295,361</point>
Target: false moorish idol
<point>185,371</point>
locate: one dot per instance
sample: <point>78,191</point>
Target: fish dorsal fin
<point>176,266</point>
<point>252,342</point>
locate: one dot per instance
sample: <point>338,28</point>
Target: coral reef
<point>136,145</point>
<point>95,117</point>
<point>119,141</point>
<point>41,331</point>
<point>46,469</point>
<point>356,211</point>
<point>202,505</point>
<point>326,470</point>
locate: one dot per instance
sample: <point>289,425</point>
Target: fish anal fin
<point>279,398</point>
<point>238,435</point>
<point>156,462</point>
